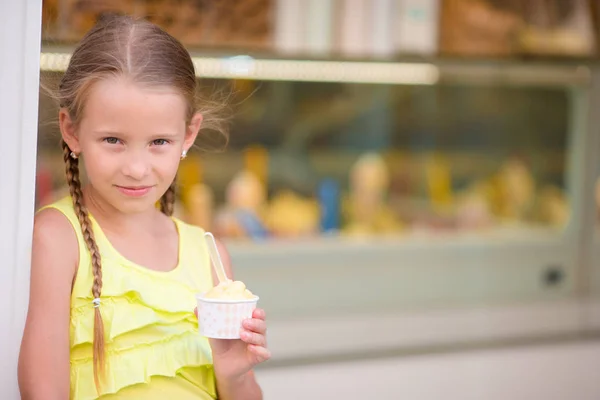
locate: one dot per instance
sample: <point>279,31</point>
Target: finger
<point>196,312</point>
<point>262,353</point>
<point>255,325</point>
<point>259,313</point>
<point>253,338</point>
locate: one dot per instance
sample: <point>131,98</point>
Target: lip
<point>134,191</point>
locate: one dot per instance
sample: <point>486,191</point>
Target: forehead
<point>120,105</point>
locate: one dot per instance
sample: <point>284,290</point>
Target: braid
<point>72,172</point>
<point>167,201</point>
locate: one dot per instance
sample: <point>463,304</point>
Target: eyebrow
<point>115,133</point>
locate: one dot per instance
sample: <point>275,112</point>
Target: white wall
<point>549,372</point>
<point>20,24</point>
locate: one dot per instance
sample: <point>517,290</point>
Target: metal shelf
<point>405,72</point>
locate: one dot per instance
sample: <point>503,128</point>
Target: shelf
<point>406,72</point>
<point>332,247</point>
<point>398,276</point>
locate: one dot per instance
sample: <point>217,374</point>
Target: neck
<point>113,220</point>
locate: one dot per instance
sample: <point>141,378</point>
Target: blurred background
<point>403,180</point>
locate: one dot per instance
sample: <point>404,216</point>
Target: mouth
<point>134,191</point>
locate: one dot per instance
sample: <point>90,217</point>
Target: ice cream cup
<point>222,318</point>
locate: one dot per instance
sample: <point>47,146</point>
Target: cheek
<point>98,168</point>
<point>166,166</point>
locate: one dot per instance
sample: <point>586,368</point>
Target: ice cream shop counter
<point>423,204</point>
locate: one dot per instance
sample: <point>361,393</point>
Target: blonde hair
<point>124,46</point>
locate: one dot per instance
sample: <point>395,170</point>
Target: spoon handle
<point>215,257</point>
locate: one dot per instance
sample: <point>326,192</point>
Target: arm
<point>44,357</point>
<point>243,387</point>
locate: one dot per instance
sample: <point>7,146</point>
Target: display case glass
<point>344,159</point>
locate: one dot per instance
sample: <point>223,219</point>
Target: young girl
<point>113,279</point>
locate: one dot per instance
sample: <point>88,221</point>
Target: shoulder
<point>54,235</point>
<point>192,235</point>
<point>52,224</point>
<point>195,238</point>
<point>181,224</point>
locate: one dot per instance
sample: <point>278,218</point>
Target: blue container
<point>329,201</point>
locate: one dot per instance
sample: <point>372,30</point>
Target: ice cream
<point>222,309</point>
<point>230,290</point>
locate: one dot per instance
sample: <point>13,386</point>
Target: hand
<point>232,358</point>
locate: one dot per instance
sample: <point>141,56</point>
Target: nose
<point>135,166</point>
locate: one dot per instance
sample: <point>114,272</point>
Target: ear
<point>67,130</point>
<point>192,131</point>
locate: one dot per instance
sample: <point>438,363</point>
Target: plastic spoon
<point>216,257</point>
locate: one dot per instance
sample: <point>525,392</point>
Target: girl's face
<point>131,138</point>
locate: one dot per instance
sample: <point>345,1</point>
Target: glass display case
<point>393,202</point>
<point>593,231</point>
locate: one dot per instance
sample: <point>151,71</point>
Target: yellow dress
<point>153,348</point>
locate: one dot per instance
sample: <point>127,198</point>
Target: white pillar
<point>20,30</point>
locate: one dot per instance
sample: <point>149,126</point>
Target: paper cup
<point>222,319</point>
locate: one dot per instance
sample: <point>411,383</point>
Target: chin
<point>139,208</point>
<point>134,205</point>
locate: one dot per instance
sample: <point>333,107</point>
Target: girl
<point>113,279</point>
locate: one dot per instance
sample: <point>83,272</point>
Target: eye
<point>111,140</point>
<point>160,142</point>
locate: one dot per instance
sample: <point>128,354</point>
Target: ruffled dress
<point>153,348</point>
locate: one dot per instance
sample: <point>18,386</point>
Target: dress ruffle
<point>149,326</point>
<point>140,363</point>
